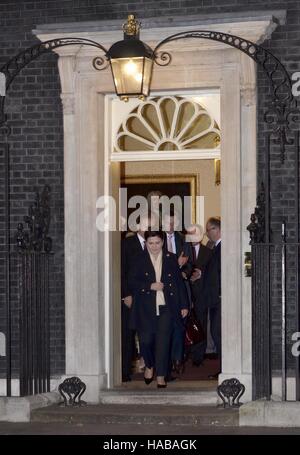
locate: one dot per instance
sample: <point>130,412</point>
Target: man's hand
<point>184,313</point>
<point>182,260</point>
<point>158,286</point>
<point>196,275</point>
<point>128,301</point>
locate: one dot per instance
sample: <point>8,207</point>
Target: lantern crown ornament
<point>131,63</point>
<point>132,26</point>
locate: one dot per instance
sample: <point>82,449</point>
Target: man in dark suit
<point>212,282</point>
<point>174,242</point>
<point>131,247</point>
<point>201,256</point>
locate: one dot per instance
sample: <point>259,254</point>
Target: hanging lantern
<point>131,63</point>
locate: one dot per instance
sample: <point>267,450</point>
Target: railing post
<point>283,314</point>
<point>34,247</point>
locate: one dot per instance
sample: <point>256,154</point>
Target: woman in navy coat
<point>160,299</point>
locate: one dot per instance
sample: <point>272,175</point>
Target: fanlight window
<point>168,123</point>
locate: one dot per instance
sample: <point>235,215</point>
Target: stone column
<point>231,222</point>
<point>238,196</point>
<point>248,195</point>
<point>82,253</point>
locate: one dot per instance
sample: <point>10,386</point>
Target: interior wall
<point>203,169</point>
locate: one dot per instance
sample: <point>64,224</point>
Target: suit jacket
<point>185,247</point>
<point>201,262</point>
<point>212,279</point>
<point>141,276</point>
<point>181,246</point>
<point>130,248</point>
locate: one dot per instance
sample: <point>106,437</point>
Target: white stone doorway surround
<point>93,342</point>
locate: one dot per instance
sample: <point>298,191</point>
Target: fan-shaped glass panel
<point>168,123</point>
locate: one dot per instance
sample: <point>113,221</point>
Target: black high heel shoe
<point>148,380</point>
<point>161,386</point>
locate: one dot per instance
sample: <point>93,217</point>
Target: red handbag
<point>194,332</point>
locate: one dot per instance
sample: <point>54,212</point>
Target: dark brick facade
<point>35,114</point>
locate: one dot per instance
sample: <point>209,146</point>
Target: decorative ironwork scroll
<point>73,388</point>
<point>231,390</point>
<point>257,226</point>
<point>34,247</point>
<point>12,68</point>
<point>38,221</point>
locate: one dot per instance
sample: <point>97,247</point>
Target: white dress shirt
<point>142,241</point>
<point>196,248</point>
<point>172,238</point>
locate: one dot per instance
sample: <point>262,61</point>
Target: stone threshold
<point>139,415</point>
<point>163,397</point>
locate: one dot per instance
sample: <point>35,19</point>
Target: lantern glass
<point>132,76</point>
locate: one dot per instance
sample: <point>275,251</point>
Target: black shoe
<point>148,380</point>
<point>161,386</point>
<point>126,378</point>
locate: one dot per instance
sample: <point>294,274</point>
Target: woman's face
<point>154,245</point>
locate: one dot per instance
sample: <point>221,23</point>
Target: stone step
<point>163,397</point>
<point>138,415</point>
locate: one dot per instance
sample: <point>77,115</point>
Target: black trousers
<point>155,343</point>
<point>215,326</point>
<point>128,345</point>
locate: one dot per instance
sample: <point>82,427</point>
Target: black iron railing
<point>32,260</point>
<point>275,289</point>
<point>34,323</point>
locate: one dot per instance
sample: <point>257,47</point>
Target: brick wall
<point>34,111</point>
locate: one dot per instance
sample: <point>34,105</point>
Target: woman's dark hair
<point>159,234</point>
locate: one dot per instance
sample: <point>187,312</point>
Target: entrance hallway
<point>194,179</point>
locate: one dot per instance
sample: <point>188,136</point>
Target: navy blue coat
<point>141,276</point>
